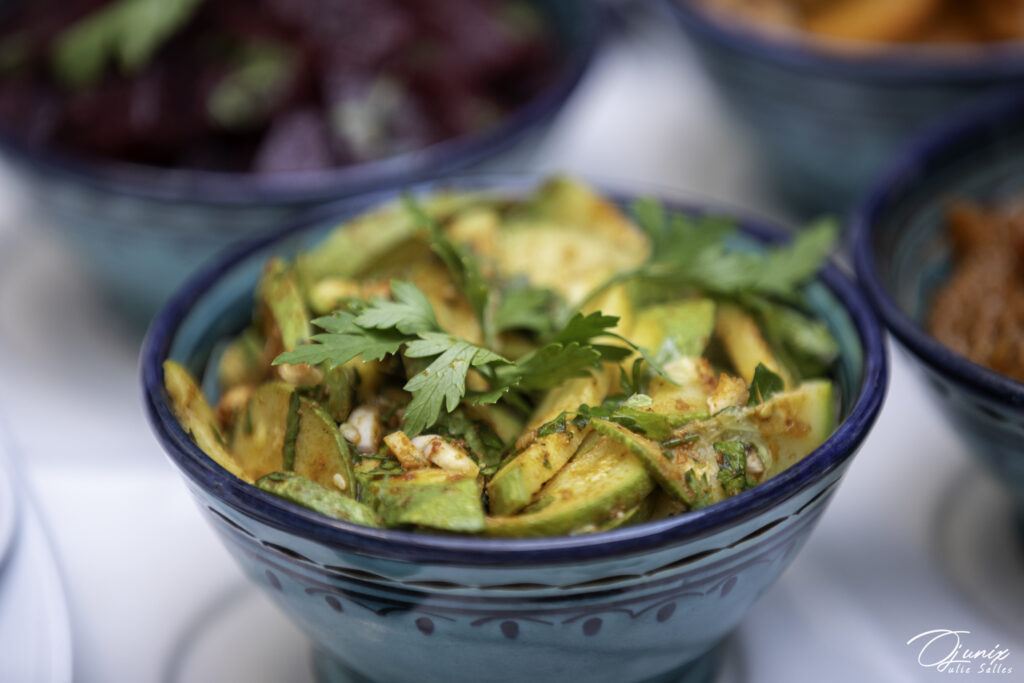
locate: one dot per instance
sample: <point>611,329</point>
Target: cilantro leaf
<point>764,385</point>
<point>410,312</point>
<point>442,384</point>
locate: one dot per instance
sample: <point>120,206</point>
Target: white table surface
<point>914,540</point>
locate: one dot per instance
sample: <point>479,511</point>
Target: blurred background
<point>140,137</point>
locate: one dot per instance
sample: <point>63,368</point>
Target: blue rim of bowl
<point>934,146</point>
<point>473,551</point>
<point>891,65</point>
<point>167,184</point>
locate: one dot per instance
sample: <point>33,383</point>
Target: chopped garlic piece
<point>300,375</point>
<point>365,420</point>
<point>446,455</point>
<point>350,433</point>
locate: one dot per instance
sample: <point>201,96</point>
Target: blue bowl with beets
<point>648,602</point>
<point>903,254</point>
<point>824,121</point>
<point>142,228</point>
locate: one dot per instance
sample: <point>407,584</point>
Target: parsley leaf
<point>634,381</point>
<point>805,344</point>
<point>764,385</point>
<point>551,365</point>
<point>569,354</point>
<point>732,466</point>
<point>442,384</point>
<point>460,261</point>
<point>343,341</point>
<point>482,441</point>
<point>409,313</point>
<point>692,253</point>
<point>526,308</point>
<point>582,328</point>
<point>631,412</point>
<point>634,413</point>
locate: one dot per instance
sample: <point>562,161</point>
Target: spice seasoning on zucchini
<point>551,365</point>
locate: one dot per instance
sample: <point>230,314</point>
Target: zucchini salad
<point>540,365</point>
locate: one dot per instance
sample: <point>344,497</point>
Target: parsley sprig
<point>687,254</point>
<point>407,325</point>
<point>692,253</point>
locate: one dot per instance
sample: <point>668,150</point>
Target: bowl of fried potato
<point>828,89</point>
<point>505,429</point>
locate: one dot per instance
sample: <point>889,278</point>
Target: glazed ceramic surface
<point>639,603</point>
<point>903,256</point>
<point>826,124</point>
<point>141,230</point>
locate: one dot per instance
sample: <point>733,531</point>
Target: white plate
<point>979,546</point>
<point>8,510</point>
<point>35,632</point>
<point>208,647</point>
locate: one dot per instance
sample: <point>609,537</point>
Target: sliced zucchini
<point>599,486</point>
<point>283,431</point>
<point>321,454</point>
<point>195,415</point>
<point>568,202</point>
<point>685,478</point>
<point>280,306</point>
<point>675,330</point>
<point>259,435</point>
<point>325,500</point>
<point>737,448</point>
<point>338,390</point>
<point>243,361</point>
<point>687,398</point>
<point>745,344</point>
<point>429,498</point>
<point>515,484</point>
<point>355,247</point>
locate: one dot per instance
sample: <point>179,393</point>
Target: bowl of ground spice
<point>939,249</point>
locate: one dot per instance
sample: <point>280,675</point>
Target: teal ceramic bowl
<point>825,123</point>
<point>141,230</point>
<point>644,603</point>
<point>903,256</point>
